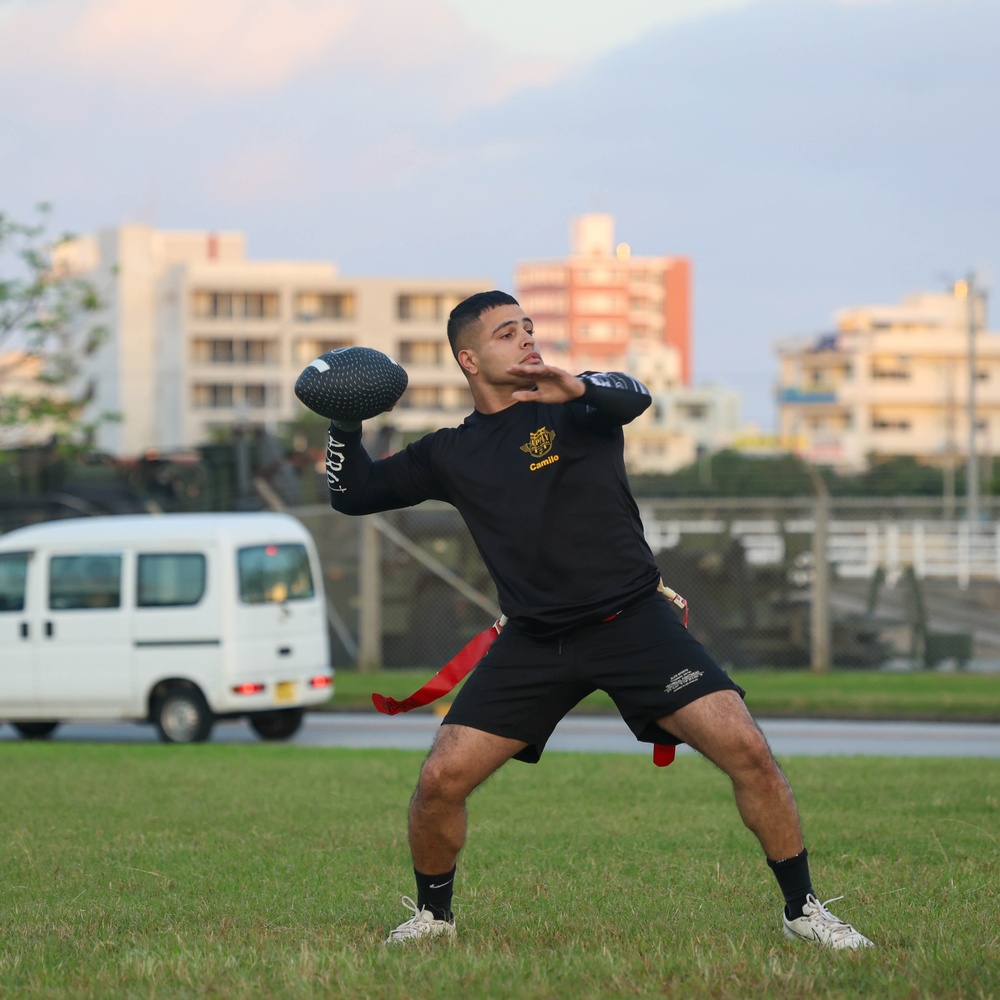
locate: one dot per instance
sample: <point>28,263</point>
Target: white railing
<point>954,550</point>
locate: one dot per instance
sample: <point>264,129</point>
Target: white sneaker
<point>423,924</point>
<point>817,923</point>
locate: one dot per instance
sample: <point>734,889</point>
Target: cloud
<point>231,48</point>
<point>224,46</point>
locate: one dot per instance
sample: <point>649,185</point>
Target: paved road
<point>607,734</point>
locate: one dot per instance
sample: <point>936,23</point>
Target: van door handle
<point>284,651</point>
<point>24,630</point>
<point>49,629</point>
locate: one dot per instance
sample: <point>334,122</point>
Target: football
<point>351,383</point>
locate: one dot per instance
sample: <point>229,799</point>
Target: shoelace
<point>410,905</point>
<point>838,928</point>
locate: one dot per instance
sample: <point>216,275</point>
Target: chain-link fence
<point>406,588</point>
<point>771,583</point>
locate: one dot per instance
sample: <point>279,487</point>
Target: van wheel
<point>277,725</point>
<point>182,716</point>
<point>35,730</point>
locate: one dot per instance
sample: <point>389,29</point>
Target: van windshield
<point>273,574</point>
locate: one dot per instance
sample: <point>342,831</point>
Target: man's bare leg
<point>460,760</point>
<point>720,728</point>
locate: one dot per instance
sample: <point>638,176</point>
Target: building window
<point>599,302</point>
<point>456,398</point>
<point>213,305</point>
<point>223,351</point>
<point>878,372</point>
<point>260,352</point>
<point>599,331</point>
<point>259,396</point>
<point>421,397</point>
<point>692,411</point>
<point>260,305</point>
<point>220,352</point>
<point>420,307</point>
<point>307,350</point>
<point>597,276</point>
<point>890,424</point>
<point>213,397</point>
<point>542,276</point>
<point>426,306</point>
<point>541,303</point>
<point>421,352</point>
<point>234,305</point>
<point>325,305</point>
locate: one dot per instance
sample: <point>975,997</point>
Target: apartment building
<point>203,339</point>
<point>683,422</point>
<point>894,380</point>
<point>600,307</point>
<point>604,309</point>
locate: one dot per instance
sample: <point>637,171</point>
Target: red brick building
<point>602,308</point>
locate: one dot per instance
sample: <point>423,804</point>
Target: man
<point>537,473</point>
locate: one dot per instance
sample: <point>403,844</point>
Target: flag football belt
<point>461,664</point>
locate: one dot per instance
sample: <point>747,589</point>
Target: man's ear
<point>467,359</point>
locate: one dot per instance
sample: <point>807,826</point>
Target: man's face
<point>506,337</point>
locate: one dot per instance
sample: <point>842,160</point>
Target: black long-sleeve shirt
<point>543,490</point>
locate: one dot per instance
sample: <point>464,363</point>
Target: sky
<point>807,155</point>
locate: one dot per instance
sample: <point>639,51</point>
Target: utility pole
<point>820,628</point>
<point>967,290</point>
<point>370,596</point>
<point>951,374</point>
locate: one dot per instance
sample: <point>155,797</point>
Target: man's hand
<point>551,385</point>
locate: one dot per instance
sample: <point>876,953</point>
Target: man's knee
<point>443,778</point>
<point>752,749</point>
<point>460,760</point>
<point>720,727</point>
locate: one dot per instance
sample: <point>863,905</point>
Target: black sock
<point>793,880</point>
<point>434,893</point>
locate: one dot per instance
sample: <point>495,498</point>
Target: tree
<point>730,474</point>
<point>727,473</point>
<point>48,327</point>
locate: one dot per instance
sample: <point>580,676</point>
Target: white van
<point>175,619</point>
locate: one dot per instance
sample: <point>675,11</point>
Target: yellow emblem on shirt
<point>540,442</point>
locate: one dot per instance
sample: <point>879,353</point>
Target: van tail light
<point>320,681</point>
<point>248,689</point>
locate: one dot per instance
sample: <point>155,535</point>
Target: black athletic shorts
<point>644,658</point>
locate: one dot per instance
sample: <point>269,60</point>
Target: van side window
<point>13,577</point>
<point>85,581</point>
<point>274,574</point>
<point>170,579</point>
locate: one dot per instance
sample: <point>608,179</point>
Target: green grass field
<point>857,694</point>
<point>276,871</point>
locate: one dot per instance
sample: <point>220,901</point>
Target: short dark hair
<point>468,311</point>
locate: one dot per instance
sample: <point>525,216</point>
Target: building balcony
<point>793,395</point>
